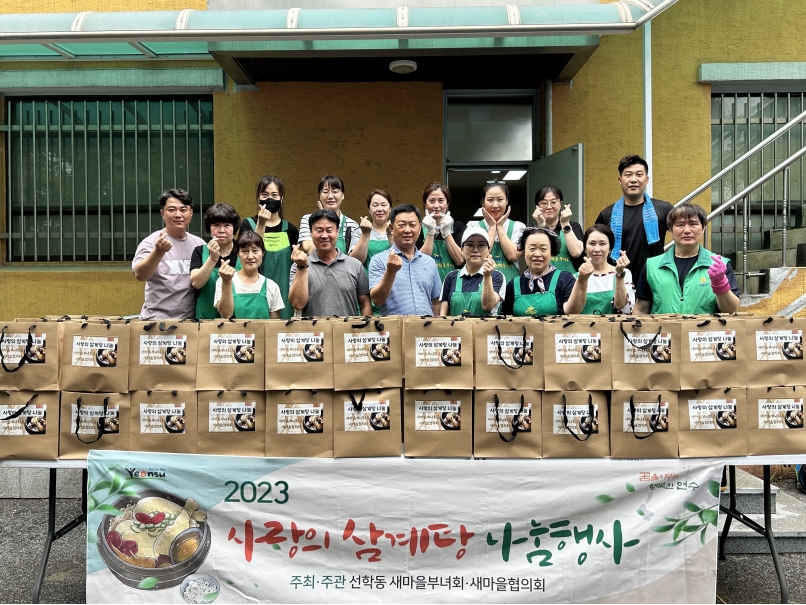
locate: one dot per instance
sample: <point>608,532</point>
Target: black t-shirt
<point>565,285</point>
<point>293,232</point>
<point>196,260</point>
<point>633,235</point>
<point>683,265</point>
<point>458,230</point>
<point>577,229</point>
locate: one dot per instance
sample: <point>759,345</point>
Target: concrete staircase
<point>788,518</point>
<point>770,256</point>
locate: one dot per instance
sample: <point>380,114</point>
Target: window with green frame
<point>84,173</point>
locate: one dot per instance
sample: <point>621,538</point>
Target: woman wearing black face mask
<point>278,235</point>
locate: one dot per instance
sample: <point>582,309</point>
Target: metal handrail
<point>744,157</point>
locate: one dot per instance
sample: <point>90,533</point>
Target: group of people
<point>399,260</point>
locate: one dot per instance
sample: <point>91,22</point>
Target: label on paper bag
<point>95,352</point>
<point>437,351</point>
<point>159,418</point>
<point>300,347</point>
<point>92,416</point>
<point>659,352</point>
<point>509,418</point>
<point>373,416</point>
<point>437,416</point>
<point>578,348</point>
<point>365,347</point>
<point>232,348</point>
<point>160,350</point>
<point>779,345</point>
<point>646,416</point>
<point>780,413</point>
<point>712,345</point>
<point>710,414</point>
<point>579,419</point>
<point>300,418</point>
<point>14,345</point>
<point>231,416</point>
<point>513,352</point>
<point>31,422</point>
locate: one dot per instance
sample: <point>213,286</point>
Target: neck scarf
<point>650,219</point>
<point>538,278</point>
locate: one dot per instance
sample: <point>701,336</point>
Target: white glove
<point>446,225</point>
<point>429,224</point>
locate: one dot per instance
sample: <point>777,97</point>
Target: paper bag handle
<point>19,412</point>
<point>514,422</point>
<point>517,365</point>
<point>638,323</point>
<point>101,430</point>
<point>357,405</point>
<point>25,353</point>
<point>565,418</point>
<point>652,426</point>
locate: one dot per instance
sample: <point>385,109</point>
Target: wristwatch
<point>621,275</point>
<point>567,229</point>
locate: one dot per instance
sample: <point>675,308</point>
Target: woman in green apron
<point>246,294</point>
<point>331,197</point>
<point>502,231</point>
<point>548,201</point>
<point>221,221</point>
<point>543,289</point>
<point>277,233</point>
<point>441,234</point>
<point>610,289</point>
<point>477,288</point>
<point>375,236</point>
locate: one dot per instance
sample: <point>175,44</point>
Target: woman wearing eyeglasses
<point>477,288</point>
<point>548,201</point>
<point>278,236</point>
<point>502,231</point>
<point>543,289</point>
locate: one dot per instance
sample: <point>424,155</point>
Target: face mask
<point>271,204</point>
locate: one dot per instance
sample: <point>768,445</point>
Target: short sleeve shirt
<point>168,293</point>
<point>273,297</point>
<point>472,283</point>
<point>416,284</point>
<point>349,225</point>
<point>334,289</point>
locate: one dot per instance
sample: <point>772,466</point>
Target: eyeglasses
<point>175,210</point>
<point>547,203</point>
<point>265,196</point>
<point>496,182</point>
<point>478,247</point>
<point>334,191</point>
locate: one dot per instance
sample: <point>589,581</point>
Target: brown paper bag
<point>367,423</point>
<point>644,424</point>
<point>776,351</point>
<point>438,352</point>
<point>438,423</point>
<point>714,353</point>
<point>29,425</point>
<point>508,353</point>
<point>576,424</point>
<point>232,423</point>
<point>578,355</point>
<point>164,421</point>
<point>299,354</point>
<point>506,424</point>
<point>646,355</point>
<point>29,356</point>
<point>94,357</point>
<point>775,420</point>
<point>712,423</point>
<point>163,355</point>
<point>299,424</point>
<point>230,356</point>
<point>367,353</point>
<point>92,421</point>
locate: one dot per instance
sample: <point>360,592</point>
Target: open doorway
<point>466,185</point>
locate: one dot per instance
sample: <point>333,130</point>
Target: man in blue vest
<point>687,278</point>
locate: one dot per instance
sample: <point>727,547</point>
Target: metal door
<point>566,170</point>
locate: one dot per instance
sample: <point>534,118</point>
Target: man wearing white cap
<point>477,288</point>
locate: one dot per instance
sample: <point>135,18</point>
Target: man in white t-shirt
<point>162,260</point>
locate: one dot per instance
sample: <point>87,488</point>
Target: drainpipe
<point>548,87</point>
<point>647,60</point>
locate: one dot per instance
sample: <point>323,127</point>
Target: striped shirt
<point>349,226</point>
<point>416,284</point>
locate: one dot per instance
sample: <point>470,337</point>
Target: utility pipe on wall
<point>647,60</point>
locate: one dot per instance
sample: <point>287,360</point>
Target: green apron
<point>466,302</point>
<point>536,303</point>
<point>563,258</point>
<point>375,246</point>
<point>277,262</point>
<point>341,242</point>
<point>251,306</point>
<point>204,302</point>
<point>510,270</point>
<point>600,301</point>
<point>442,258</point>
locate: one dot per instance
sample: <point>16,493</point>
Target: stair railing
<point>744,194</point>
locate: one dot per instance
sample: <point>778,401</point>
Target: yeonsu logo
<point>143,473</point>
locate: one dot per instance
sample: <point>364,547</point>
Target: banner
<point>175,528</point>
